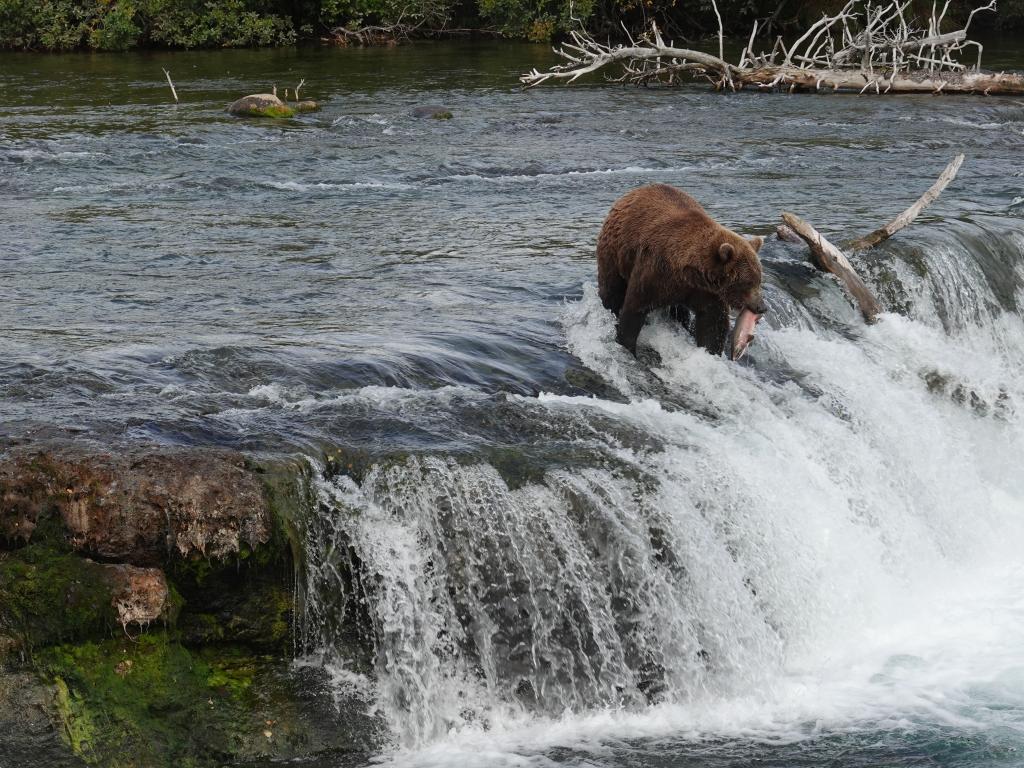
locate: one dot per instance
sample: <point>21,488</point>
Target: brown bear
<point>659,248</point>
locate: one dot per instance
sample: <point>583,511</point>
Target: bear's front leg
<point>711,328</point>
<point>628,329</point>
<point>633,312</point>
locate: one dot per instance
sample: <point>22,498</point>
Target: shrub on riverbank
<point>117,25</point>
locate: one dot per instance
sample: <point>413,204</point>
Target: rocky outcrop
<point>147,609</point>
<point>136,509</point>
<point>260,105</point>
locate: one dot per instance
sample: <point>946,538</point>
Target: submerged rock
<point>433,111</point>
<point>306,106</point>
<point>260,105</point>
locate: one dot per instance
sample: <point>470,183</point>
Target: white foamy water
<point>321,186</point>
<point>819,544</point>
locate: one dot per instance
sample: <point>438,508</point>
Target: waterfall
<point>722,530</point>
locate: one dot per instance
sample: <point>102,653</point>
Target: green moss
<point>256,612</point>
<point>443,114</point>
<point>286,487</point>
<point>274,111</point>
<point>48,596</point>
<point>231,672</point>
<point>147,702</point>
<point>79,730</point>
<point>201,628</point>
<point>153,703</point>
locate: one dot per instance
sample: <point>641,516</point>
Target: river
<point>811,557</point>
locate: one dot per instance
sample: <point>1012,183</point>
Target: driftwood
<point>828,258</point>
<point>787,235</point>
<point>871,49</point>
<point>372,36</point>
<point>905,218</point>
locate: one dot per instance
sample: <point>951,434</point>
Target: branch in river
<point>174,93</point>
<point>828,258</point>
<point>908,216</point>
<point>873,48</point>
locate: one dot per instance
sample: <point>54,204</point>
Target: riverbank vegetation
<point>118,25</point>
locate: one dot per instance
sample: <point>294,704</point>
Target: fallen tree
<point>828,258</point>
<point>861,48</point>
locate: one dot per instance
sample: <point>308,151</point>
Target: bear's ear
<point>726,252</point>
<point>756,243</point>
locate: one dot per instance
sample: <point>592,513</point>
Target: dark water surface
<point>843,512</point>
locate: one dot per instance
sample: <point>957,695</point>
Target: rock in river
<point>435,111</point>
<point>260,105</point>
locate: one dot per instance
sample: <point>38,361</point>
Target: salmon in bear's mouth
<point>742,333</point>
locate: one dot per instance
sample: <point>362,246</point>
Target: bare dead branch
<point>586,55</point>
<point>828,258</point>
<point>174,93</point>
<point>859,48</point>
<point>908,216</point>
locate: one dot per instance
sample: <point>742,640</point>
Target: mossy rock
<point>48,596</point>
<point>136,507</point>
<point>261,105</point>
<point>258,615</point>
<point>146,702</point>
<point>151,702</point>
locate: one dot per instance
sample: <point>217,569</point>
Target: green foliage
<point>117,25</point>
<point>116,29</point>
<point>224,23</point>
<point>355,14</point>
<point>536,20</point>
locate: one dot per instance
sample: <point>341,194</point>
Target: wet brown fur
<point>659,248</point>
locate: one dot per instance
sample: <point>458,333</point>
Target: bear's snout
<point>757,304</point>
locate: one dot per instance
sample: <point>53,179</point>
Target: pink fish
<point>742,333</point>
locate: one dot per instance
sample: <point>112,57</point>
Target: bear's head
<point>736,271</point>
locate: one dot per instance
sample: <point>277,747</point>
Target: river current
<point>569,557</point>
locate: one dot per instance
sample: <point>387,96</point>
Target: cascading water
<point>806,542</point>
